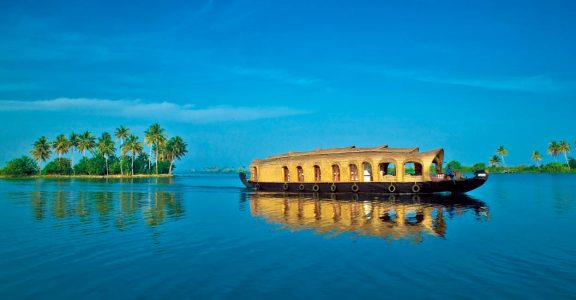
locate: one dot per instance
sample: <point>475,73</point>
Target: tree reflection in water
<point>391,217</point>
<point>120,209</point>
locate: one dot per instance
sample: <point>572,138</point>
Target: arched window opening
<point>367,172</point>
<point>254,174</point>
<point>436,171</point>
<point>413,168</point>
<point>387,168</point>
<point>335,173</point>
<point>317,174</point>
<point>353,172</point>
<point>300,174</point>
<point>286,173</point>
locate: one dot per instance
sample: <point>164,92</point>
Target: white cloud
<point>150,110</point>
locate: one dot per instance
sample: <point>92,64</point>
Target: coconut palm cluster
<point>555,149</point>
<point>120,154</point>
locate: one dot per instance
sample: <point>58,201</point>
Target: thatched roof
<point>347,150</point>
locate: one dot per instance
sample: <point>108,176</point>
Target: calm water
<point>205,237</point>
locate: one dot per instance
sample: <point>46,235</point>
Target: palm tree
<point>61,145</point>
<point>41,150</point>
<point>175,149</point>
<point>121,133</point>
<point>155,136</point>
<point>564,147</point>
<point>494,161</point>
<point>536,157</point>
<point>501,151</point>
<point>149,140</point>
<point>106,147</point>
<point>554,149</point>
<point>132,145</point>
<point>73,144</point>
<point>86,142</point>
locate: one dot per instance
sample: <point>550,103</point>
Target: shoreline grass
<point>116,176</point>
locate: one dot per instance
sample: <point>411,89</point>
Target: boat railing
<point>415,178</point>
<point>388,178</point>
<point>439,177</point>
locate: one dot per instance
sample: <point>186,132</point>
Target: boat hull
<point>457,186</point>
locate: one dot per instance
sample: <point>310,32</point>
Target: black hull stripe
<point>429,187</point>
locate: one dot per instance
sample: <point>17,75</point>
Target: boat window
<point>286,173</point>
<point>387,168</point>
<point>353,172</point>
<point>300,173</point>
<point>367,172</point>
<point>317,174</point>
<point>435,169</point>
<point>335,173</point>
<point>254,173</point>
<point>413,168</point>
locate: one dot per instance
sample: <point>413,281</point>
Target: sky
<point>241,79</point>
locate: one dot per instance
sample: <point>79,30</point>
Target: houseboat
<point>359,170</point>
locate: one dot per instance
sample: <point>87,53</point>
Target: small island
<point>100,157</point>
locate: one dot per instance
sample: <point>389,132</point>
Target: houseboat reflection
<point>390,217</point>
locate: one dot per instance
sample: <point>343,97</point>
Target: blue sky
<point>240,80</point>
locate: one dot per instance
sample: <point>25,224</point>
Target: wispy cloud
<point>537,83</point>
<point>150,110</point>
<point>278,75</point>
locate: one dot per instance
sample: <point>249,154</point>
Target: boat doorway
<point>353,172</point>
<point>286,173</point>
<point>317,173</point>
<point>367,172</point>
<point>335,173</point>
<point>300,174</point>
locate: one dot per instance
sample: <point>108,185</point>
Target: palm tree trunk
<point>121,156</point>
<point>171,163</point>
<point>106,158</point>
<point>72,163</point>
<point>156,159</point>
<point>149,160</point>
<point>566,157</point>
<point>503,162</point>
<point>133,163</point>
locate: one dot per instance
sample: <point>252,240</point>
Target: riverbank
<point>116,176</point>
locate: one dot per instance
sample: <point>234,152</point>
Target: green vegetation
<point>454,165</point>
<point>99,156</point>
<point>59,166</point>
<point>23,166</point>
<point>497,165</point>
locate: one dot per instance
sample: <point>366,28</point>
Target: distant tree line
<point>497,163</point>
<point>105,158</point>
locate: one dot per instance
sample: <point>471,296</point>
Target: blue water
<point>203,236</point>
